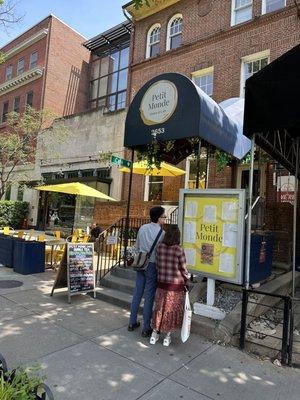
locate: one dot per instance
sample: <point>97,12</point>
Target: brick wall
<point>210,41</point>
<point>36,85</point>
<point>66,88</point>
<point>108,213</point>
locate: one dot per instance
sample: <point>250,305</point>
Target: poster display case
<point>212,223</point>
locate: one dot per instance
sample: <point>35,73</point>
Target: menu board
<point>212,226</point>
<point>81,277</point>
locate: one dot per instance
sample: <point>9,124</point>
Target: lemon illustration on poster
<point>212,223</point>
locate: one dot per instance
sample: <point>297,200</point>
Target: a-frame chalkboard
<point>76,271</point>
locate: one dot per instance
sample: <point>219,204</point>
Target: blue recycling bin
<point>29,257</point>
<point>261,256</point>
<point>6,250</point>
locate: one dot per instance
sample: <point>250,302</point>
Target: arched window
<point>174,38</point>
<point>153,41</point>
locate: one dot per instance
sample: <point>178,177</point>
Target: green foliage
<point>2,57</point>
<point>139,3</point>
<point>12,213</point>
<point>104,157</point>
<point>20,384</point>
<point>152,154</point>
<point>18,140</point>
<point>223,159</point>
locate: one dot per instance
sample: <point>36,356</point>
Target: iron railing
<point>173,219</point>
<point>278,344</point>
<point>111,243</point>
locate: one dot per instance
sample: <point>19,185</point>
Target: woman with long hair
<point>172,276</point>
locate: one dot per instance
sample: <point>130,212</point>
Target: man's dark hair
<point>156,212</point>
<point>172,235</point>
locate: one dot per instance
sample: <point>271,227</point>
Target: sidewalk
<point>87,354</point>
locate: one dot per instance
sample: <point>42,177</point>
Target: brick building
<point>45,67</point>
<point>218,44</point>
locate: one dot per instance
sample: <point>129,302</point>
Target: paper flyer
<point>230,235</point>
<point>189,232</point>
<point>191,209</point>
<point>210,214</point>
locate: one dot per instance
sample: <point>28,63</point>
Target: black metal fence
<point>276,341</point>
<point>110,247</point>
<point>111,244</point>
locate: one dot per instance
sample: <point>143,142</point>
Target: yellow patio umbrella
<point>165,169</point>
<point>75,188</point>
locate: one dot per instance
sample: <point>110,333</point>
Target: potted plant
<point>22,384</point>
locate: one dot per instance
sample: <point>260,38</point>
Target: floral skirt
<point>168,310</point>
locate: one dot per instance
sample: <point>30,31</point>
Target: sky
<point>88,17</point>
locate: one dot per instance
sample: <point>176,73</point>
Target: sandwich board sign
<point>76,271</point>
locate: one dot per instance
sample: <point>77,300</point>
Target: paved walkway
<point>87,353</point>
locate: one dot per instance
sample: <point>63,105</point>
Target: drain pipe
<point>248,245</point>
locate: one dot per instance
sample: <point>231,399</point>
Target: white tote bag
<point>187,319</point>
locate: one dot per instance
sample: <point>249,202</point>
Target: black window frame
<point>17,99</point>
<point>111,101</point>
<point>30,93</point>
<point>4,112</point>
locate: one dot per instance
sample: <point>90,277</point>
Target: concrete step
<point>117,283</point>
<point>116,297</point>
<point>125,273</point>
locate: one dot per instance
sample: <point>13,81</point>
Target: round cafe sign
<point>159,102</point>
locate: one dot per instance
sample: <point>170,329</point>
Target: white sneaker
<point>167,341</point>
<point>154,337</point>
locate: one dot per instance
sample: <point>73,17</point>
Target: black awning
<point>111,36</point>
<point>171,107</point>
<point>272,109</point>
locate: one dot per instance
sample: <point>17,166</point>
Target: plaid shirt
<point>171,267</point>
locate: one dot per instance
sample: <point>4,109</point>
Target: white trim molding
<point>264,7</point>
<point>22,79</point>
<point>148,45</point>
<point>234,11</point>
<point>26,43</point>
<point>249,58</point>
<point>204,72</point>
<point>168,44</point>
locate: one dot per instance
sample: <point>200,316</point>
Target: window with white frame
<point>241,11</point>
<point>191,171</point>
<point>33,59</point>
<point>153,41</point>
<point>252,64</point>
<point>272,5</point>
<point>20,67</point>
<point>8,72</point>
<point>204,79</point>
<point>174,36</point>
<point>153,188</point>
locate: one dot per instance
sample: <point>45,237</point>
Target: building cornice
<point>20,80</point>
<point>153,7</point>
<point>218,36</point>
<point>26,43</point>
